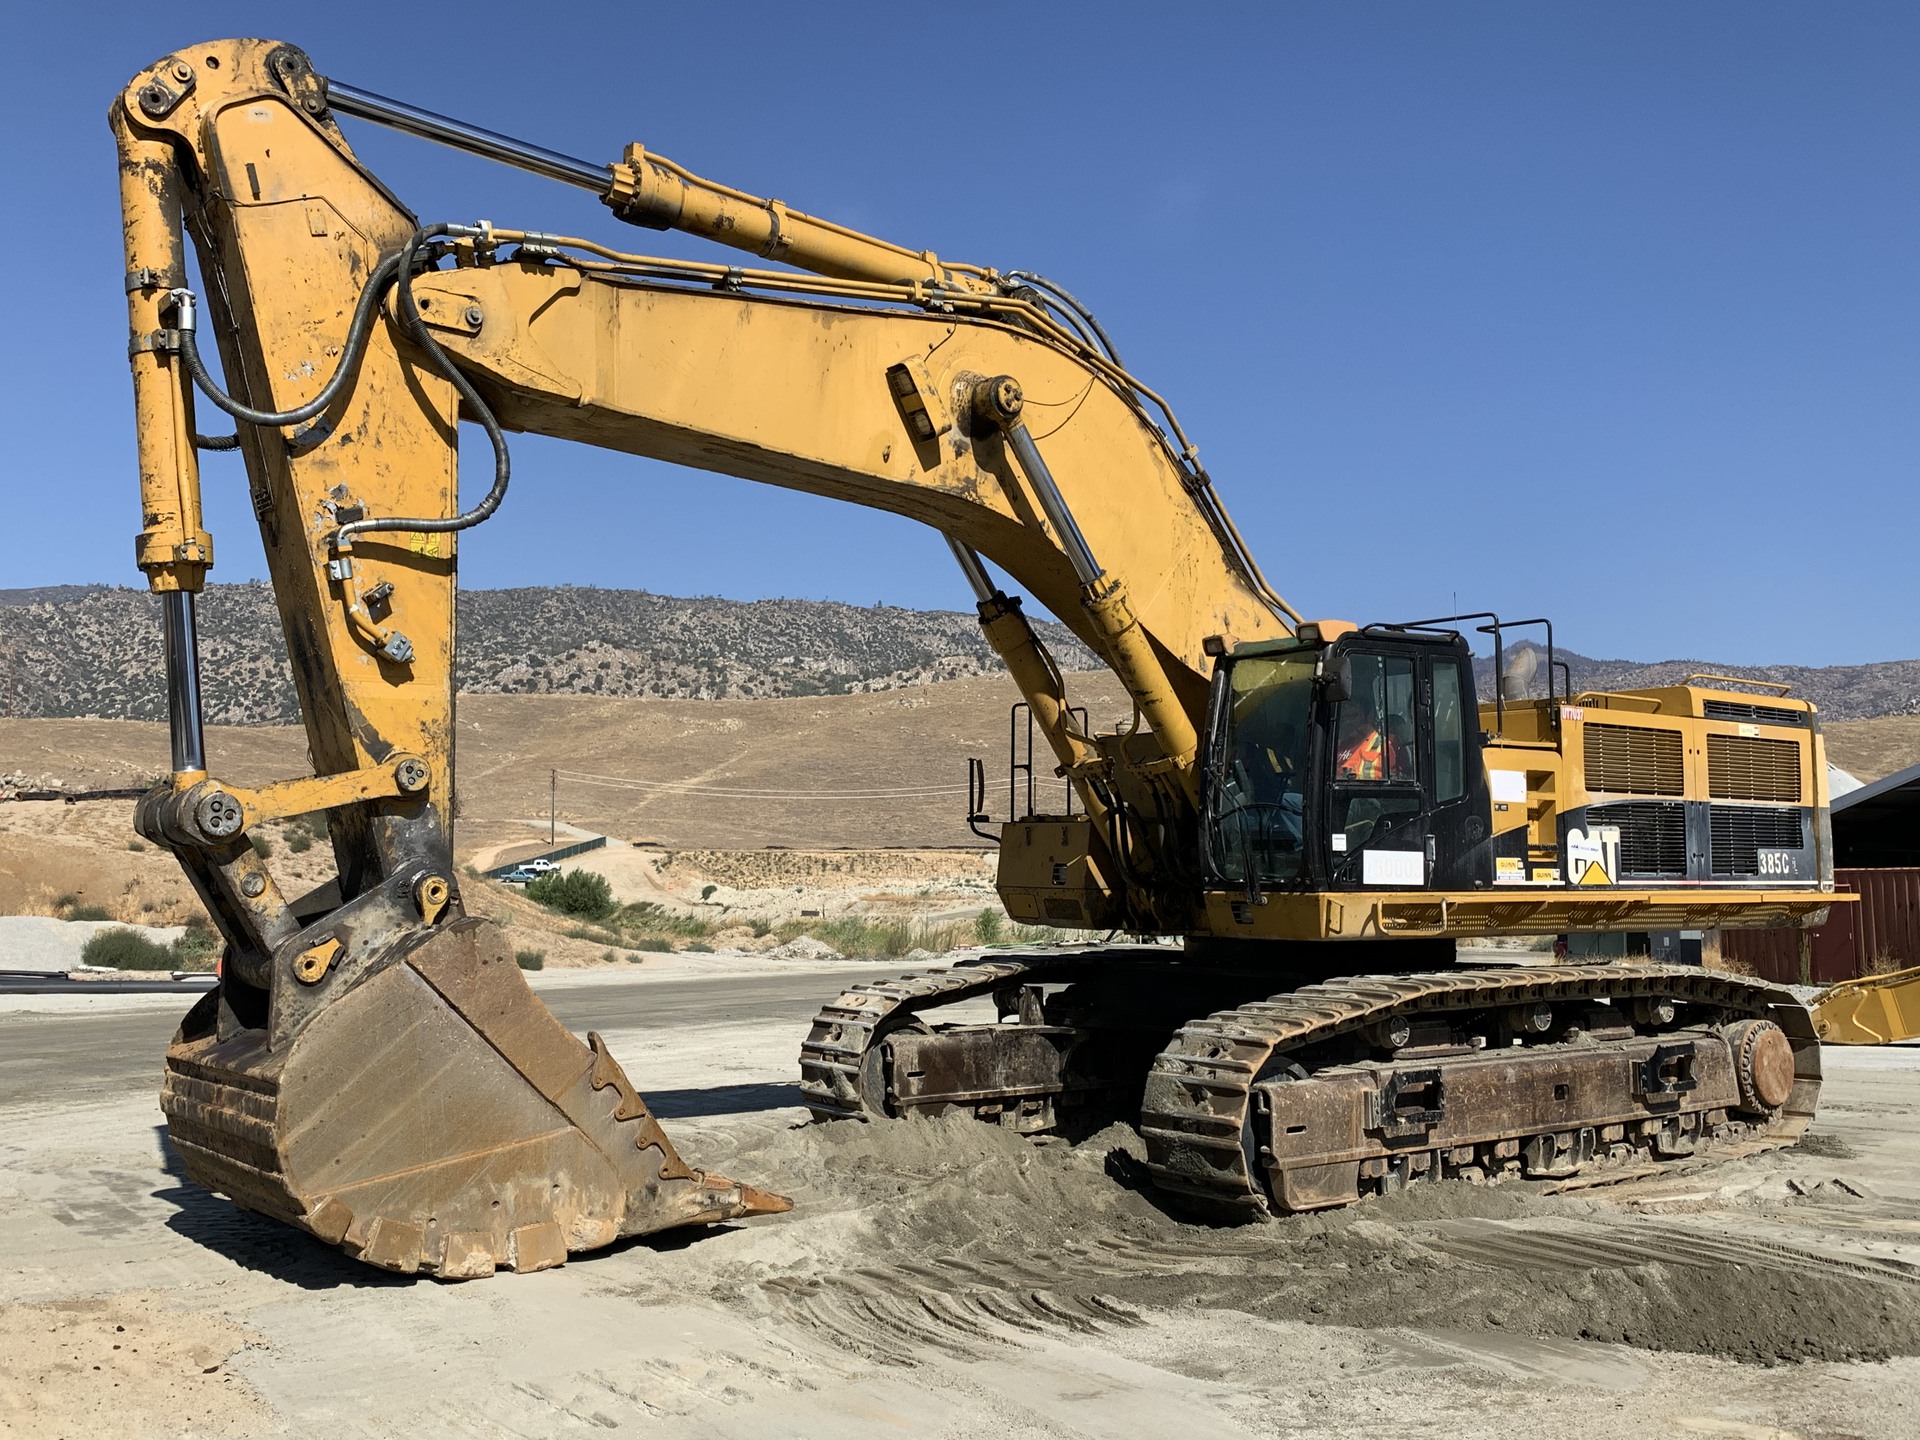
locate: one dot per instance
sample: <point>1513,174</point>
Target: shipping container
<point>1877,933</point>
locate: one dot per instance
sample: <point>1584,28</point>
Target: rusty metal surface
<point>840,1060</point>
<point>1332,1091</point>
<point>1209,1138</point>
<point>435,1118</point>
<point>1881,932</point>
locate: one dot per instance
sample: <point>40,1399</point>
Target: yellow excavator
<point>1320,811</point>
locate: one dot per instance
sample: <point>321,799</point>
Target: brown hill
<point>864,771</point>
<point>94,651</point>
<point>867,770</point>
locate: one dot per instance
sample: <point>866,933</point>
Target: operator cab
<point>1345,764</point>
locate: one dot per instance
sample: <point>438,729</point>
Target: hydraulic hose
<point>417,331</point>
<point>395,268</point>
<point>357,332</point>
<point>1067,298</point>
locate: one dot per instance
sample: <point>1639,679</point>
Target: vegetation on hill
<point>81,651</point>
<point>95,651</point>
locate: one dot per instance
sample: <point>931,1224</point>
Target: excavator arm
<point>352,341</point>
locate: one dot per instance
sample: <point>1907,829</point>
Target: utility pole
<point>553,808</point>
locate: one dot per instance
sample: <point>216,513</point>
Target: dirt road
<point>949,1280</point>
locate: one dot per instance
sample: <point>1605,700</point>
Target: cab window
<point>1373,733</point>
<point>1257,807</point>
<point>1449,733</point>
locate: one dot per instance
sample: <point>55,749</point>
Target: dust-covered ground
<point>945,1279</point>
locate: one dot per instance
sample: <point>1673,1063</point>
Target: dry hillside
<point>1869,749</point>
<point>819,771</point>
<point>804,764</point>
<point>69,650</point>
<point>812,766</point>
<point>94,651</point>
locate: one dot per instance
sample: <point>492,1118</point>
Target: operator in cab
<point>1369,748</point>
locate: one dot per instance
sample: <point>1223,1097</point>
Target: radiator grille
<point>1741,767</point>
<point>1760,714</point>
<point>1653,835</point>
<point>1632,760</point>
<point>1740,833</point>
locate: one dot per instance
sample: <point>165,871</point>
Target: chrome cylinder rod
<point>398,115</point>
<point>983,587</point>
<point>1053,504</point>
<point>183,682</point>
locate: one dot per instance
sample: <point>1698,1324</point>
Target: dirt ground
<point>946,1279</point>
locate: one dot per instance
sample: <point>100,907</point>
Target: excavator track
<point>840,1059</point>
<point>1228,1096</point>
<point>1570,1073</point>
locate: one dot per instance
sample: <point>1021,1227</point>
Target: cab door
<point>1406,792</point>
<point>1459,810</point>
<point>1377,833</point>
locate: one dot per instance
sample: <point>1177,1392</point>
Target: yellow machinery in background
<point>1320,810</point>
<point>1872,1010</point>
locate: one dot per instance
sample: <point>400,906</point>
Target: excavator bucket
<point>433,1117</point>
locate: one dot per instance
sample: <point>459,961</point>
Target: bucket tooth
<point>435,1117</point>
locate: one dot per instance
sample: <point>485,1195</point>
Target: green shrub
<point>574,892</point>
<point>124,949</point>
<point>989,928</point>
<point>88,912</point>
<point>699,947</point>
<point>66,902</point>
<point>262,846</point>
<point>857,937</point>
<point>706,891</point>
<point>530,959</point>
<point>197,946</point>
<point>658,944</point>
<point>1038,935</point>
<point>299,841</point>
<point>760,927</point>
<point>136,846</point>
<point>649,917</point>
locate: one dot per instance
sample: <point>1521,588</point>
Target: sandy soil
<point>947,1279</point>
<point>131,1365</point>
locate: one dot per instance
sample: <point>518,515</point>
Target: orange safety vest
<point>1364,761</point>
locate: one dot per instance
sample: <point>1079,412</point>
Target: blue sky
<point>1601,311</point>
